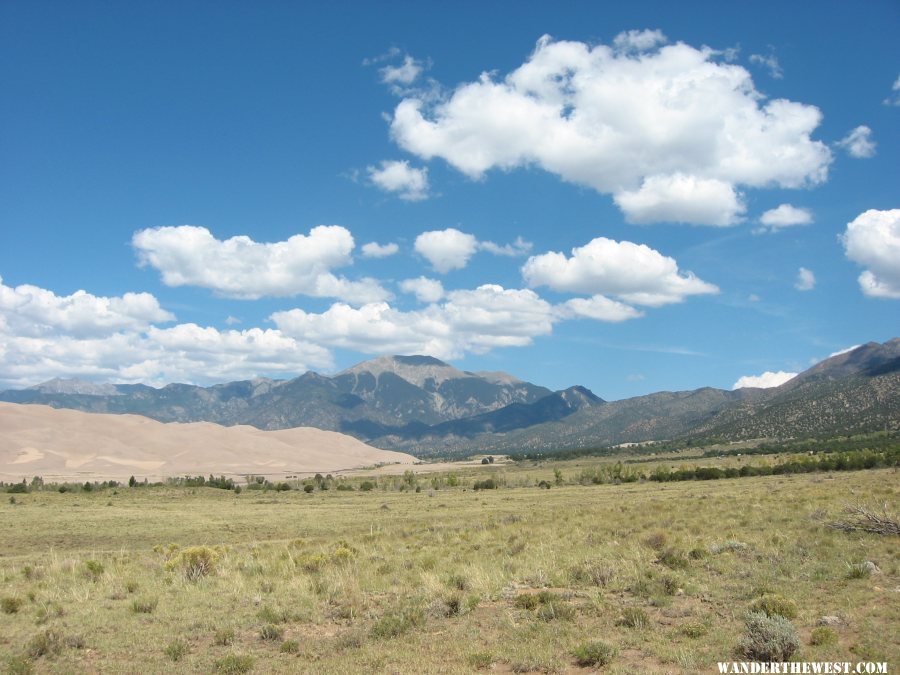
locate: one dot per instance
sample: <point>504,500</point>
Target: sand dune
<point>37,440</point>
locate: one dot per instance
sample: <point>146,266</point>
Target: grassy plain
<point>436,580</point>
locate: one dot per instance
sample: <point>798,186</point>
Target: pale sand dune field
<point>65,445</point>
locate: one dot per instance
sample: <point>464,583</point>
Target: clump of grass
<point>270,615</point>
<point>858,570</point>
<point>271,632</point>
<point>673,559</point>
<point>634,617</point>
<point>144,605</point>
<point>93,569</point>
<point>823,635</point>
<point>594,654</point>
<point>47,643</point>
<point>458,581</point>
<point>769,638</point>
<point>726,546</point>
<point>556,610</point>
<point>234,664</point>
<point>397,623</point>
<point>657,541</point>
<point>223,637</point>
<point>10,604</point>
<point>480,660</point>
<point>177,649</point>
<point>19,665</point>
<point>290,647</point>
<point>775,605</point>
<point>592,573</point>
<point>526,601</point>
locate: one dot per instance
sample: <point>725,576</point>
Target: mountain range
<point>424,406</point>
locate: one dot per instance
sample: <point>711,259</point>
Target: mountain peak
<point>415,369</point>
<point>60,385</point>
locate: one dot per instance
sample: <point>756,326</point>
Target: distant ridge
<point>425,406</point>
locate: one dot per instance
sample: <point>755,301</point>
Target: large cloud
<point>654,127</point>
<point>43,336</point>
<point>468,321</point>
<point>33,311</point>
<point>242,268</point>
<point>873,240</point>
<point>634,273</point>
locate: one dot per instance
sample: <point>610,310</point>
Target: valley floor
<point>517,579</point>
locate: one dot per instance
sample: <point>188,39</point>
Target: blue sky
<point>661,196</point>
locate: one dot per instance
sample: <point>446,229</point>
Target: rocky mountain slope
<point>424,406</point>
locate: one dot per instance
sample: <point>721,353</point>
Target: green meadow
<point>424,574</point>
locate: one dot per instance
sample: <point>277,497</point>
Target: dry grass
<point>389,581</point>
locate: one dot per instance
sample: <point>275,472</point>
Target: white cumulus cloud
<point>765,381</point>
<point>376,250</point>
<point>397,176</point>
<point>635,273</point>
<point>450,249</point>
<point>34,311</point>
<point>872,239</point>
<point>659,128</point>
<point>806,280</point>
<point>43,335</point>
<point>784,215</point>
<point>242,268</point>
<point>473,321</point>
<point>425,289</point>
<point>858,143</point>
<point>600,308</point>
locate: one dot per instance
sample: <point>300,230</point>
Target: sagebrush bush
<point>195,562</point>
<point>673,559</point>
<point>823,635</point>
<point>769,638</point>
<point>775,605</point>
<point>592,572</point>
<point>594,654</point>
<point>556,610</point>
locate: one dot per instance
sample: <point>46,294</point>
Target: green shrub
<point>144,605</point>
<point>224,637</point>
<point>195,562</point>
<point>556,610</point>
<point>48,643</point>
<point>397,623</point>
<point>19,665</point>
<point>487,484</point>
<point>480,660</point>
<point>234,664</point>
<point>526,601</point>
<point>695,629</point>
<point>775,605</point>
<point>594,654</point>
<point>308,488</point>
<point>858,571</point>
<point>367,486</point>
<point>673,559</point>
<point>177,649</point>
<point>769,638</point>
<point>634,617</point>
<point>823,635</point>
<point>657,541</point>
<point>290,647</point>
<point>271,632</point>
<point>93,568</point>
<point>10,604</point>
